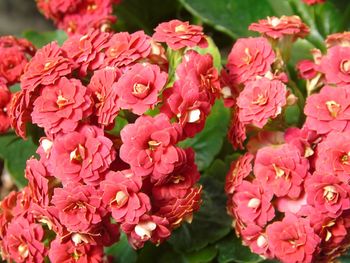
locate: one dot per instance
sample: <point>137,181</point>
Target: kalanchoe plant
<point>91,183</point>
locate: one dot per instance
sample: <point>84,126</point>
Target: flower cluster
<point>14,56</point>
<point>254,81</point>
<point>93,180</point>
<point>289,193</point>
<point>77,16</point>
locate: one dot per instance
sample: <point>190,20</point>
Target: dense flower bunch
<point>14,56</point>
<point>77,16</point>
<point>289,193</point>
<point>92,182</point>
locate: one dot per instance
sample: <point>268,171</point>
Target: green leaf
<point>211,222</point>
<point>40,39</point>
<point>122,252</point>
<point>16,152</point>
<point>231,250</point>
<point>204,255</point>
<point>292,115</point>
<point>234,16</point>
<point>207,143</point>
<point>136,15</point>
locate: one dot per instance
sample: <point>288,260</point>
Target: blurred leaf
<point>204,255</point>
<point>292,115</point>
<point>136,15</point>
<point>207,143</point>
<point>122,252</point>
<point>211,222</point>
<point>40,39</point>
<point>213,50</point>
<point>231,250</point>
<point>328,18</point>
<point>233,16</point>
<point>16,152</point>
<point>159,254</point>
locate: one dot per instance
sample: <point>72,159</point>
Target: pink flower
<point>80,207</point>
<point>292,239</point>
<point>12,65</point>
<point>336,65</point>
<point>249,58</point>
<point>338,39</point>
<point>239,170</point>
<point>264,138</point>
<point>253,203</point>
<point>87,51</point>
<point>307,69</point>
<point>304,139</point>
<point>5,100</point>
<point>46,67</point>
<point>282,169</point>
<point>200,70</point>
<point>278,28</point>
<point>60,107</point>
<point>328,110</point>
<point>138,88</point>
<point>104,90</point>
<point>149,146</point>
<point>327,193</point>
<point>123,197</point>
<point>125,49</point>
<point>177,34</point>
<point>255,237</point>
<point>185,102</point>
<point>333,155</point>
<point>314,2</point>
<point>83,155</point>
<point>67,251</point>
<point>24,242</point>
<point>260,100</point>
<point>153,228</point>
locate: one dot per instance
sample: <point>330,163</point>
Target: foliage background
<point>210,237</point>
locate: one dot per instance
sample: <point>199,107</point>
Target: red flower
<point>328,110</point>
<point>24,242</point>
<point>87,51</point>
<point>5,99</point>
<point>149,146</point>
<point>45,68</point>
<point>38,182</point>
<point>333,155</point>
<point>125,49</point>
<point>327,193</point>
<point>61,251</point>
<point>138,88</point>
<point>292,239</point>
<point>336,65</point>
<point>255,237</point>
<point>237,131</point>
<point>249,58</point>
<point>253,203</point>
<point>239,170</point>
<point>60,107</point>
<point>80,207</point>
<point>122,196</point>
<point>177,34</point>
<point>282,169</point>
<point>83,155</point>
<point>12,64</point>
<point>178,183</point>
<point>178,209</point>
<point>260,100</point>
<point>314,2</point>
<point>104,90</point>
<point>277,28</point>
<point>153,228</point>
